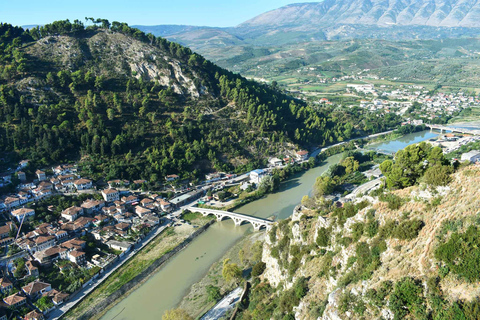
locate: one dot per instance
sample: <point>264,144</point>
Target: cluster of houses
<point>18,297</point>
<point>116,221</point>
<point>399,100</point>
<point>256,176</point>
<point>64,179</point>
<point>300,156</point>
<point>450,142</point>
<point>31,292</point>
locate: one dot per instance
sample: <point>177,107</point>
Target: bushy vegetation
<point>394,202</point>
<point>407,299</point>
<point>365,262</point>
<point>258,268</point>
<point>265,305</point>
<point>412,163</point>
<point>323,237</point>
<point>405,230</point>
<point>461,255</point>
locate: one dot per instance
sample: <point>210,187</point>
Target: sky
<point>215,13</point>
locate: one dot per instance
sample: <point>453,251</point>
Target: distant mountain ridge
<point>436,13</point>
<point>336,20</point>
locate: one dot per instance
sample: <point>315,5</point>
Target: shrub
<point>371,228</point>
<point>275,253</point>
<point>377,297</point>
<point>316,311</point>
<point>394,202</point>
<point>357,231</point>
<point>258,268</point>
<point>345,241</point>
<point>461,255</point>
<point>438,175</point>
<point>408,230</point>
<point>273,234</point>
<point>386,231</point>
<point>407,298</point>
<point>323,237</point>
<point>213,293</point>
<point>301,287</point>
<point>294,265</point>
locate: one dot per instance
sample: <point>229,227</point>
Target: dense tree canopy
<point>412,163</point>
<point>86,108</point>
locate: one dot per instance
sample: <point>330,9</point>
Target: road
<point>364,188</point>
<point>57,313</point>
<point>222,307</point>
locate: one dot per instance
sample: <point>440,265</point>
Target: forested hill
<point>132,105</point>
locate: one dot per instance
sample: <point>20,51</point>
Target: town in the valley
<point>104,225</point>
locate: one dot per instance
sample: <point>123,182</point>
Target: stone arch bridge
<point>237,218</point>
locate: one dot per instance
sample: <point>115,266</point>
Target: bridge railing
<point>231,214</point>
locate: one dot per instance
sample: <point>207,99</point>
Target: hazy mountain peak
<point>438,13</point>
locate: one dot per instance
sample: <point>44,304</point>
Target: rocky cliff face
<point>358,259</point>
<point>117,53</point>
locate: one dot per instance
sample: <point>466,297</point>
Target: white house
<point>72,213</point>
<point>111,194</point>
<point>119,245</point>
<point>141,211</point>
<point>92,205</point>
<point>21,175</point>
<point>41,175</point>
<point>82,184</point>
<point>23,164</point>
<point>275,162</point>
<point>165,205</point>
<point>302,155</point>
<point>472,156</point>
<point>20,213</point>
<point>12,202</point>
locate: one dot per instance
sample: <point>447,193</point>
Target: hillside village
<point>415,103</point>
<point>102,224</point>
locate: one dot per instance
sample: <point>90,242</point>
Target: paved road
<point>224,305</point>
<point>57,313</point>
<point>364,188</point>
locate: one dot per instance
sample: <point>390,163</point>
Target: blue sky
<point>221,13</point>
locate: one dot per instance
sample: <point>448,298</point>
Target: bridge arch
<point>238,219</point>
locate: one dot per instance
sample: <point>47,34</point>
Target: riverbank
<point>136,271</point>
<point>196,302</point>
<point>279,175</point>
<point>397,133</point>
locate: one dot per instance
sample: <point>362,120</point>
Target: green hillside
<point>132,105</point>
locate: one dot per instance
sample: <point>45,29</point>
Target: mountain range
<point>336,20</point>
<point>436,13</point>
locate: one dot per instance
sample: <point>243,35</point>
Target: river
<point>168,286</point>
<point>402,142</point>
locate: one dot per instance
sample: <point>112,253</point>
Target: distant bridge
<point>238,218</point>
<point>452,129</point>
<point>380,151</point>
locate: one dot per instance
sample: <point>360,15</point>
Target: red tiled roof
<point>35,287</point>
<point>14,299</point>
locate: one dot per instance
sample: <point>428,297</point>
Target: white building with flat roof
<point>472,156</point>
<point>256,176</point>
